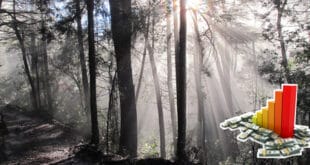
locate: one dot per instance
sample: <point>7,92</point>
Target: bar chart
<point>279,113</point>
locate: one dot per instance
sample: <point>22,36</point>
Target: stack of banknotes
<point>273,145</point>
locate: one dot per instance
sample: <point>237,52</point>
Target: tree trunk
<point>157,92</point>
<point>92,73</point>
<point>169,76</point>
<point>284,63</point>
<point>34,68</point>
<point>198,71</point>
<point>82,59</point>
<point>26,67</point>
<point>181,84</point>
<point>45,62</point>
<point>175,27</point>
<point>143,59</point>
<point>121,31</point>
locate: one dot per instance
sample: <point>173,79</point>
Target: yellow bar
<point>271,114</point>
<point>254,119</point>
<point>259,118</point>
<point>265,117</point>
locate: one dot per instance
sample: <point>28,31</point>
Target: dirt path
<point>34,141</point>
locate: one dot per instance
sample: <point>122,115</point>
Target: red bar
<point>288,110</point>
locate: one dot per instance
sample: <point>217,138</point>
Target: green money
<point>250,125</point>
<point>264,131</point>
<point>246,134</point>
<point>246,116</point>
<point>243,129</point>
<point>268,153</point>
<point>302,143</point>
<point>233,126</point>
<point>290,150</point>
<point>259,138</point>
<point>298,136</point>
<point>225,124</point>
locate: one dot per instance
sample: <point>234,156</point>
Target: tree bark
<point>34,68</point>
<point>92,73</point>
<point>181,84</point>
<point>26,66</point>
<point>169,76</point>
<point>146,37</point>
<point>82,58</point>
<point>45,62</point>
<point>175,27</point>
<point>121,32</point>
<point>201,137</point>
<point>280,9</point>
<point>157,92</point>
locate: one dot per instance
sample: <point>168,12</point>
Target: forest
<point>145,81</point>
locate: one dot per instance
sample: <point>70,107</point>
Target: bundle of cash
<point>274,136</point>
<point>290,150</point>
<point>259,138</point>
<point>302,133</point>
<point>246,116</point>
<point>250,125</point>
<point>302,143</point>
<point>245,135</point>
<point>264,131</point>
<point>265,153</point>
<point>280,143</point>
<point>274,146</point>
<point>243,129</point>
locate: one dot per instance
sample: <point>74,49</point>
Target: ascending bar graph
<point>279,113</point>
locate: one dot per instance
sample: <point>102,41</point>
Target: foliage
<point>150,148</point>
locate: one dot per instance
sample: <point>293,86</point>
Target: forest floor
<point>32,140</point>
<point>35,141</point>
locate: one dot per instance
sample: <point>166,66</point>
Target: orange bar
<point>271,114</point>
<point>278,111</point>
<point>265,117</point>
<point>259,119</point>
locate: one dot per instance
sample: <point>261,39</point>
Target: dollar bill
<point>234,120</point>
<point>268,153</point>
<point>264,131</point>
<point>274,136</point>
<point>245,135</point>
<point>300,137</point>
<point>246,116</point>
<point>224,124</point>
<point>302,133</point>
<point>302,143</point>
<point>250,125</point>
<point>233,126</point>
<point>260,138</point>
<point>280,143</point>
<point>243,129</point>
<point>290,150</point>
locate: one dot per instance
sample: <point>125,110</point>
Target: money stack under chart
<point>273,145</point>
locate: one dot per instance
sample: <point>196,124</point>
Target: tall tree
<point>92,73</point>
<point>201,137</point>
<point>82,57</point>
<point>181,84</point>
<point>169,73</point>
<point>46,77</point>
<point>21,40</point>
<point>157,90</point>
<point>121,32</point>
<point>280,5</point>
